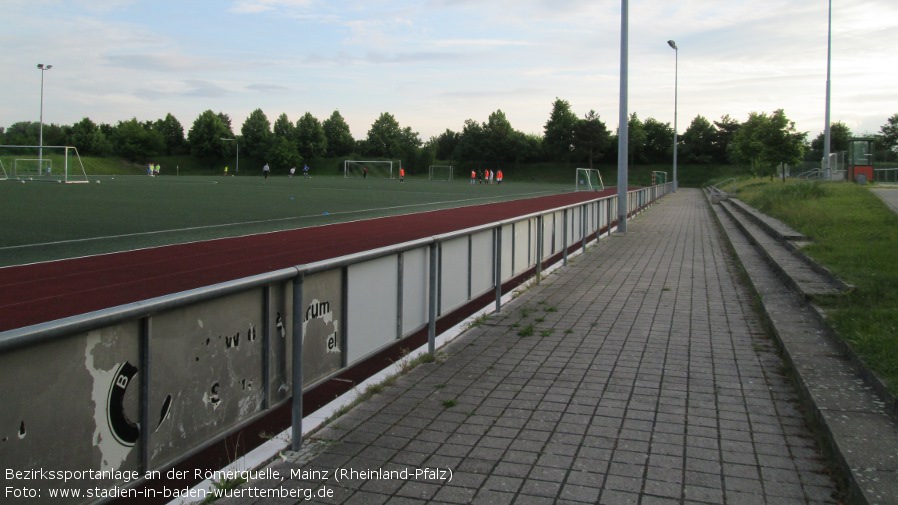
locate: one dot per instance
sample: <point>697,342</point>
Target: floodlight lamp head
<point>44,67</point>
<point>672,44</point>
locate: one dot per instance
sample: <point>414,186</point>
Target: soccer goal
<point>441,172</point>
<point>588,179</point>
<point>46,163</point>
<point>379,169</point>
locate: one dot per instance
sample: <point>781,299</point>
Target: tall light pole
<point>827,135</point>
<point>40,153</point>
<point>234,140</point>
<point>673,45</point>
<point>623,133</point>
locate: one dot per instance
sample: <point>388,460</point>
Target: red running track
<point>32,294</point>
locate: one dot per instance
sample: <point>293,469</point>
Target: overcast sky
<point>435,63</point>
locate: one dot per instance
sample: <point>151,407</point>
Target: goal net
<point>379,169</point>
<point>47,163</point>
<point>588,179</point>
<point>441,172</point>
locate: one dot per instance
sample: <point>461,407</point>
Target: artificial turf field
<point>45,221</point>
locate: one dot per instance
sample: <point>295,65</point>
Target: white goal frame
<point>349,173</point>
<point>72,171</point>
<point>438,168</point>
<point>585,183</point>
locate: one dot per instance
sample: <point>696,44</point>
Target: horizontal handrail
<point>41,332</point>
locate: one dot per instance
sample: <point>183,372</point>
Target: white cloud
<point>435,63</point>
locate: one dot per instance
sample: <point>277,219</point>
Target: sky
<point>433,64</point>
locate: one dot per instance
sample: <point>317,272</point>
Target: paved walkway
<point>889,196</point>
<point>639,374</point>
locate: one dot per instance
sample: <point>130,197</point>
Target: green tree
<point>696,144</point>
<point>498,139</point>
<point>86,136</point>
<point>636,139</point>
<point>446,143</point>
<point>205,136</point>
<point>559,131</point>
<point>256,135</point>
<point>726,128</point>
<point>339,137</point>
<point>889,134</point>
<point>283,127</point>
<point>311,140</point>
<point>840,134</point>
<point>408,149</point>
<point>528,147</point>
<point>132,140</point>
<point>384,136</point>
<point>172,134</point>
<point>658,147</point>
<point>471,147</point>
<point>764,142</point>
<point>23,133</point>
<point>591,137</point>
<point>282,154</point>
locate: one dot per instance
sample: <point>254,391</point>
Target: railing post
<point>266,346</point>
<point>564,236</point>
<point>296,413</point>
<point>144,357</point>
<point>539,247</point>
<point>498,269</point>
<point>583,226</point>
<point>432,301</point>
<point>400,281</point>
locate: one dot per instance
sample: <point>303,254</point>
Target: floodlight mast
<point>827,135</point>
<point>673,45</point>
<point>40,153</point>
<point>623,125</point>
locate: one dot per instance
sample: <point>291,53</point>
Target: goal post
<point>441,172</point>
<point>360,168</point>
<point>588,179</point>
<point>43,163</point>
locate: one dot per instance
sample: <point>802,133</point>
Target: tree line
<point>761,142</point>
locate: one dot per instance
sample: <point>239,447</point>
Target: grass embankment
<point>856,236</point>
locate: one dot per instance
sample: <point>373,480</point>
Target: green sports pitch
<point>45,221</point>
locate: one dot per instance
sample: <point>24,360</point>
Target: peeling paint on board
<point>321,311</point>
<point>114,433</point>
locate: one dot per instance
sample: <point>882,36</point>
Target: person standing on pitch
<point>473,177</point>
<point>401,174</point>
<point>265,170</point>
<point>499,176</point>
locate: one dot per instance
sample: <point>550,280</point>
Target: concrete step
<point>777,242</point>
<point>853,413</point>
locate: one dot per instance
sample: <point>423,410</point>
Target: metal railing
<point>212,360</point>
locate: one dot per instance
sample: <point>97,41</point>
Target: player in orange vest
<point>401,174</point>
<point>473,177</point>
<point>486,175</point>
<point>499,177</point>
